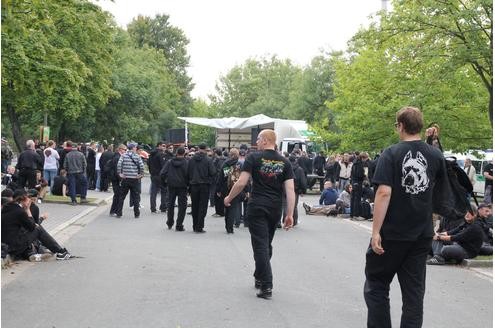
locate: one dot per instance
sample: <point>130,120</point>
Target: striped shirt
<point>130,165</point>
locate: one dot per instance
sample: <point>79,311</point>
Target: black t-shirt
<point>58,181</point>
<point>269,170</point>
<point>415,171</point>
<point>488,168</point>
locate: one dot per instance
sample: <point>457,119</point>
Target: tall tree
<point>55,61</point>
<point>459,30</point>
<point>158,33</point>
<point>143,107</point>
<point>256,87</point>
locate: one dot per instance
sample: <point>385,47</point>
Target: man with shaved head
<point>27,163</point>
<point>271,173</point>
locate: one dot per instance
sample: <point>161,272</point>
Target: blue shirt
<point>329,197</point>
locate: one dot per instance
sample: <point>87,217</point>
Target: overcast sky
<point>224,33</point>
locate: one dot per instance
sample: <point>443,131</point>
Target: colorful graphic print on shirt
<point>271,168</point>
<point>414,177</point>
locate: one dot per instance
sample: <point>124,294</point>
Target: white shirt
<point>97,164</point>
<point>51,162</point>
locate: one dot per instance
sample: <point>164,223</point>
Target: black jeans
<point>233,214</point>
<point>116,196</point>
<point>181,195</point>
<point>134,186</point>
<point>449,250</point>
<point>157,185</point>
<point>356,194</point>
<point>262,225</point>
<point>200,194</point>
<point>39,233</point>
<point>27,176</point>
<point>407,259</point>
<point>219,207</point>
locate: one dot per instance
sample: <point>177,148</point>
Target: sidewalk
<point>61,215</point>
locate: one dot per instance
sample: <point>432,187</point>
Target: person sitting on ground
<point>485,221</point>
<point>41,186</point>
<point>10,178</point>
<point>20,232</point>
<point>60,183</point>
<point>7,196</point>
<point>327,201</point>
<point>343,203</point>
<point>463,242</point>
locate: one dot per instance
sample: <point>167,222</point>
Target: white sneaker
<point>39,201</point>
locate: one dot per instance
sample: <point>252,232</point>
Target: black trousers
<point>134,186</point>
<point>407,259</point>
<point>27,176</point>
<point>158,186</point>
<point>181,195</point>
<point>262,225</point>
<point>200,194</point>
<point>219,207</point>
<point>104,181</point>
<point>449,250</point>
<point>39,233</point>
<point>356,195</point>
<point>233,214</point>
<point>116,196</point>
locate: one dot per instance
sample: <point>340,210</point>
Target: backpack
<point>233,175</point>
<point>459,184</point>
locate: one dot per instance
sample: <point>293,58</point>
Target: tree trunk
<point>15,124</point>
<point>490,107</point>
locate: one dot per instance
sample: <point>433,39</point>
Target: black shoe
<point>200,231</point>
<point>153,211</point>
<point>169,226</point>
<point>230,231</point>
<point>136,216</point>
<point>279,225</point>
<point>236,225</point>
<point>74,203</point>
<point>265,293</point>
<point>257,284</point>
<point>179,229</point>
<point>84,201</point>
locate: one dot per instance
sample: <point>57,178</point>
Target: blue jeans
<point>98,179</point>
<point>49,175</point>
<point>77,180</point>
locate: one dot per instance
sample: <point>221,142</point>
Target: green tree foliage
<point>387,71</point>
<point>158,33</point>
<point>55,57</point>
<point>256,87</point>
<point>461,31</point>
<point>312,88</point>
<point>143,107</point>
<point>199,133</point>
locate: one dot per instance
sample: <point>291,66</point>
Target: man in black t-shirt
<point>271,173</point>
<point>408,174</point>
<point>488,174</point>
<point>60,183</point>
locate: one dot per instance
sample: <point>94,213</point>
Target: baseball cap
<point>482,205</point>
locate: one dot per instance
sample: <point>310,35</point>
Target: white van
<point>479,159</point>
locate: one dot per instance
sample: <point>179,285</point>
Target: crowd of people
<point>259,189</point>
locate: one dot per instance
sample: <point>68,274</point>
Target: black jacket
<point>221,183</point>
<point>469,236</point>
<point>200,169</point>
<point>15,225</point>
<point>357,171</point>
<point>157,161</point>
<point>105,157</point>
<point>29,159</point>
<point>174,173</point>
<point>112,171</point>
<point>319,164</point>
<point>300,181</point>
<point>486,228</point>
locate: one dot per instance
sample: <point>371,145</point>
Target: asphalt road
<point>135,273</point>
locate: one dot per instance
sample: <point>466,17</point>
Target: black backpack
<point>459,184</point>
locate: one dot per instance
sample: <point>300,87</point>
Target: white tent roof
<point>230,122</point>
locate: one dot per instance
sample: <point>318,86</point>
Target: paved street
<point>135,273</point>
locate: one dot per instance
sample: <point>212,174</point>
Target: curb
<point>82,214</point>
<point>477,263</point>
